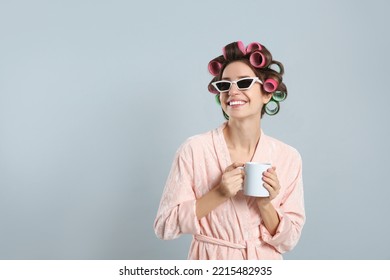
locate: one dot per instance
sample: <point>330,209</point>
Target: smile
<point>234,103</point>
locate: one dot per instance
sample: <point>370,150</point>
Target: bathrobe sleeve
<point>177,211</point>
<point>291,213</point>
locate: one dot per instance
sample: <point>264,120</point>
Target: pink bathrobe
<point>233,230</point>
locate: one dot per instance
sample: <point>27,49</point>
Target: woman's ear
<point>266,97</point>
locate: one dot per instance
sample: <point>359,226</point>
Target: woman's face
<point>241,104</point>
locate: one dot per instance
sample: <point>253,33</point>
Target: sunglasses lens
<point>245,83</point>
<point>223,86</point>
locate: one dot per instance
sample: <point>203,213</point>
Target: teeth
<point>232,103</point>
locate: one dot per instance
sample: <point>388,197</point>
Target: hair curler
<point>257,59</point>
<point>272,107</point>
<point>217,99</point>
<point>276,66</point>
<point>253,46</point>
<point>214,67</point>
<point>279,95</point>
<point>212,89</point>
<point>270,85</point>
<point>241,46</point>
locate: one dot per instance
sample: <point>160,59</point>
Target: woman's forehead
<point>236,70</point>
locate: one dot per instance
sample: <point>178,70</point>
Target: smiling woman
<point>265,70</point>
<point>238,105</point>
<point>203,193</point>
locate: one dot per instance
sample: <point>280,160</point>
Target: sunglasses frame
<point>254,80</point>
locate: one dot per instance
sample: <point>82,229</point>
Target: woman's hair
<point>259,59</point>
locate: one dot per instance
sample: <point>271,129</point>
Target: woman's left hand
<point>271,183</point>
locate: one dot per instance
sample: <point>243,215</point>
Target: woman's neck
<point>242,134</point>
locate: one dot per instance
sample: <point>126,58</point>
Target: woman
<point>203,193</point>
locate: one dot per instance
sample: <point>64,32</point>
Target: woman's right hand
<point>232,180</point>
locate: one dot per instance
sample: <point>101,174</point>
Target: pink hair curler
<point>212,89</point>
<point>224,52</point>
<point>214,67</point>
<point>257,59</point>
<point>270,85</point>
<point>241,46</point>
<point>253,46</point>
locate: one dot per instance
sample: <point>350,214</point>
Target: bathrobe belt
<point>249,245</point>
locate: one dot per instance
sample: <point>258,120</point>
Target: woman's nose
<point>233,89</point>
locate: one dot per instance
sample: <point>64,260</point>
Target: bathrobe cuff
<point>187,217</point>
<point>280,235</point>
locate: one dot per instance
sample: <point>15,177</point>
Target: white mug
<point>253,183</point>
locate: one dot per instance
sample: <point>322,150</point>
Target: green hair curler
<point>272,107</point>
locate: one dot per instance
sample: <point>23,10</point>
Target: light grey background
<point>96,96</point>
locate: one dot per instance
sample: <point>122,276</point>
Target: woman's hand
<point>232,180</point>
<point>271,183</point>
<point>230,184</point>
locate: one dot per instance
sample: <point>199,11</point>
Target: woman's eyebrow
<point>239,77</point>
